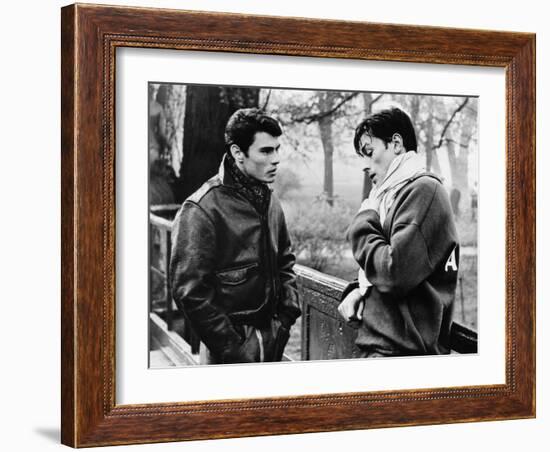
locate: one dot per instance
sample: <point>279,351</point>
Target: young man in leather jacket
<point>231,269</point>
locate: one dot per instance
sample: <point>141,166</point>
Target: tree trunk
<point>458,160</point>
<point>207,110</point>
<point>432,161</point>
<point>415,109</point>
<point>325,127</point>
<point>462,161</point>
<point>367,182</point>
<point>456,192</point>
<point>451,153</point>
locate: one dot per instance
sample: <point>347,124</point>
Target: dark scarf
<point>256,192</point>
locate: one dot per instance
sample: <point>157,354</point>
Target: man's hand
<point>246,352</point>
<point>351,308</point>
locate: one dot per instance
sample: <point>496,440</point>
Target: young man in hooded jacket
<point>404,239</point>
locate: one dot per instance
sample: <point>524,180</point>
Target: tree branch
<point>318,116</point>
<point>449,122</point>
<point>372,102</point>
<point>266,100</point>
<point>450,140</point>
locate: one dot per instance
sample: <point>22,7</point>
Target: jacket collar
<point>221,169</point>
<point>225,176</point>
<point>256,192</point>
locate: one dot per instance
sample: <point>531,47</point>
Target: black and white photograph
<point>305,224</point>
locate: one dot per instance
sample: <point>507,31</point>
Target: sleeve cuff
<point>351,286</point>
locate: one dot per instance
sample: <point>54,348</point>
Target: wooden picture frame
<point>90,37</point>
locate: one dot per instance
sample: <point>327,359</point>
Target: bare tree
<point>456,111</point>
<point>321,109</point>
<point>445,137</point>
<point>432,161</point>
<point>458,153</point>
<point>326,101</point>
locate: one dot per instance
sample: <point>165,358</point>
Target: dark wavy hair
<point>243,125</point>
<point>383,125</point>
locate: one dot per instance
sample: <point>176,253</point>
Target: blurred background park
<point>320,181</point>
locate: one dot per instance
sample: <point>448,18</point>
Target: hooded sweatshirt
<point>403,169</point>
<point>411,260</point>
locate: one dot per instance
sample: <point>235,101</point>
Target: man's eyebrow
<point>265,148</point>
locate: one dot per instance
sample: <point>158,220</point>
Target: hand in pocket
<point>280,335</point>
<point>247,352</point>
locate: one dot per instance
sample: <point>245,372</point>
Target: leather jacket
<point>232,267</point>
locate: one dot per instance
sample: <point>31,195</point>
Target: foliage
<point>237,98</point>
<point>287,181</point>
<point>318,232</point>
<point>466,226</point>
<point>465,308</point>
<point>172,98</point>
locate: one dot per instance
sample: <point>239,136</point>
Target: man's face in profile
<point>263,158</point>
<point>377,156</point>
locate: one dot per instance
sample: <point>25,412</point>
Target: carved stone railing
<point>326,336</point>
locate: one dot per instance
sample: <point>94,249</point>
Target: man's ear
<point>397,141</point>
<point>237,153</point>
